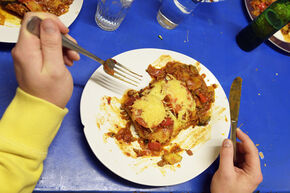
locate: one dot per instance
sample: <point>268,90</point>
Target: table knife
<point>234,99</point>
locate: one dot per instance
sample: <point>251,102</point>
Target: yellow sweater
<point>27,128</point>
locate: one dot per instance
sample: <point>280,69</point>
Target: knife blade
<point>234,99</point>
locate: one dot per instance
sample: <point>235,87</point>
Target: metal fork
<point>111,66</point>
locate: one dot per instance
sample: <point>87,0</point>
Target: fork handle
<point>67,43</point>
<point>33,26</point>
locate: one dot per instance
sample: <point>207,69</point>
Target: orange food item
<point>56,7</point>
<point>2,19</point>
<point>175,99</point>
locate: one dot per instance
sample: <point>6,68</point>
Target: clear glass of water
<point>173,12</point>
<point>111,13</point>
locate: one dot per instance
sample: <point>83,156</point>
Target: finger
<point>240,155</point>
<point>26,38</point>
<point>248,145</point>
<point>67,61</point>
<point>249,149</point>
<point>51,44</point>
<point>226,157</point>
<point>21,56</point>
<point>28,45</point>
<point>71,54</point>
<point>43,16</point>
<point>240,148</point>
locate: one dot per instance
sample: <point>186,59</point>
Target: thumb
<point>226,157</point>
<point>51,44</point>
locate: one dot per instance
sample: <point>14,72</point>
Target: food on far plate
<point>177,98</point>
<point>259,6</point>
<point>286,32</point>
<point>2,19</point>
<point>20,7</point>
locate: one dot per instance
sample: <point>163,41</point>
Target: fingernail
<point>227,143</point>
<point>49,26</point>
<point>239,129</point>
<point>78,56</point>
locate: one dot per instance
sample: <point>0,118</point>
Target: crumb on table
<point>261,155</point>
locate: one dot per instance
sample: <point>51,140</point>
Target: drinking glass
<point>111,13</point>
<point>173,12</point>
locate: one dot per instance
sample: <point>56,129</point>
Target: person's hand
<point>40,62</point>
<point>246,175</point>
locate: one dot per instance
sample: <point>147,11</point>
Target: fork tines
<point>123,73</point>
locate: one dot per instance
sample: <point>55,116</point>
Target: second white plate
<point>9,32</point>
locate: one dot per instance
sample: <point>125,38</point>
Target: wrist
<point>46,97</point>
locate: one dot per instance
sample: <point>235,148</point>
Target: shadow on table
<point>8,82</point>
<point>108,83</point>
<point>6,47</point>
<point>271,45</point>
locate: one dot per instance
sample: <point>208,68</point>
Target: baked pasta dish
<point>175,99</point>
<point>259,6</point>
<point>20,7</point>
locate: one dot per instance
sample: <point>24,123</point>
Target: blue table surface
<point>207,36</point>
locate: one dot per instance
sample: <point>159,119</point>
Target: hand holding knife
<point>234,99</point>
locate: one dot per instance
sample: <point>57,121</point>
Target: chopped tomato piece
<point>109,100</point>
<point>202,98</point>
<point>141,122</point>
<point>177,108</point>
<point>173,100</point>
<point>167,122</point>
<point>154,146</point>
<point>155,72</point>
<point>189,152</point>
<point>138,112</point>
<point>130,101</point>
<point>262,6</point>
<point>167,99</point>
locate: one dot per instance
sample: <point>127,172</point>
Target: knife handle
<point>234,138</point>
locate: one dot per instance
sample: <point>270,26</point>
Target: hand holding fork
<point>111,66</point>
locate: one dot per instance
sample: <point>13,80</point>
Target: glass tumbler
<point>111,13</point>
<point>173,12</point>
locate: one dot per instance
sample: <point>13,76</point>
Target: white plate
<point>9,32</point>
<point>137,170</point>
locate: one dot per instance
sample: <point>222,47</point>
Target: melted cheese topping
<point>179,92</point>
<point>154,111</point>
<point>181,97</point>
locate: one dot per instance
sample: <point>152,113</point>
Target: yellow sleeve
<point>27,128</point>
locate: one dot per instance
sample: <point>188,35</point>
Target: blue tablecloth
<point>207,36</point>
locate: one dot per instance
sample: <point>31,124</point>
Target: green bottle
<point>275,17</point>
